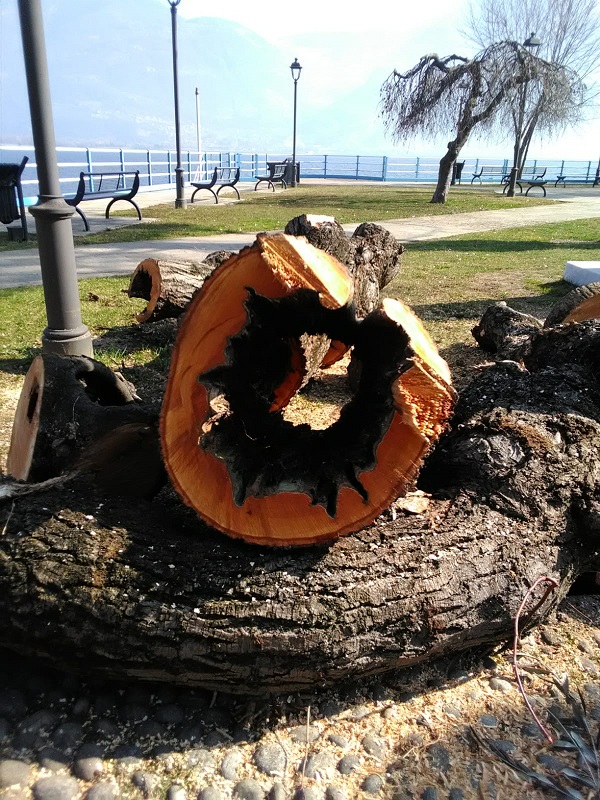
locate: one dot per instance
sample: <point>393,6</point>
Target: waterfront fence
<point>157,167</point>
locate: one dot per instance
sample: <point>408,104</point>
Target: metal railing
<point>157,167</point>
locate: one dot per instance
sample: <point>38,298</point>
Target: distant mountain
<point>110,66</point>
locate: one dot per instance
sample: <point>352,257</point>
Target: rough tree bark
<point>144,590</point>
<point>167,286</point>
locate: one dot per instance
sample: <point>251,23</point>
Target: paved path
<point>21,268</point>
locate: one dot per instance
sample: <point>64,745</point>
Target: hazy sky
<point>385,36</point>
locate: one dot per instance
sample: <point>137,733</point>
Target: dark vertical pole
<point>180,201</point>
<point>293,184</point>
<point>65,334</point>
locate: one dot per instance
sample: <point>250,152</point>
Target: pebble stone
<point>88,768</point>
<point>53,760</point>
<point>339,741</point>
<point>278,792</point>
<point>552,762</point>
<point>231,763</point>
<point>373,783</point>
<point>176,792</point>
<point>270,759</point>
<point>452,711</point>
<point>505,745</point>
<point>306,793</point>
<point>145,781</point>
<point>335,793</point>
<point>211,793</point>
<point>456,794</point>
<point>103,791</point>
<point>500,685</point>
<point>585,646</point>
<point>488,721</point>
<point>248,789</point>
<point>301,734</point>
<point>348,764</point>
<point>430,794</point>
<point>589,666</point>
<point>169,714</point>
<point>13,773</point>
<point>439,757</point>
<point>199,757</point>
<point>56,787</point>
<point>318,766</point>
<point>551,637</point>
<point>374,747</point>
<point>12,704</point>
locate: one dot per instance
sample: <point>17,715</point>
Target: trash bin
<point>289,172</point>
<point>12,207</point>
<point>457,169</point>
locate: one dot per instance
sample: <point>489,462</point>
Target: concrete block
<point>582,272</point>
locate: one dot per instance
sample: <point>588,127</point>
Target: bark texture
<point>505,332</point>
<point>168,286</point>
<point>145,590</point>
<point>579,304</point>
<point>64,406</point>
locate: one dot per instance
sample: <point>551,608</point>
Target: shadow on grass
<point>492,245</point>
<point>473,309</point>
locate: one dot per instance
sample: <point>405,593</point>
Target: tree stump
<point>65,404</point>
<point>168,286</point>
<point>237,361</point>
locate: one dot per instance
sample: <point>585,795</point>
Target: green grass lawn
<point>271,211</point>
<point>448,282</point>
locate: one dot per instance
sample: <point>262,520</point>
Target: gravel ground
<point>409,734</point>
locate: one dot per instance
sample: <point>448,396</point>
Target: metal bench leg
<point>83,217</point>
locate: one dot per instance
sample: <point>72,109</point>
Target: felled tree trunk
<point>149,592</point>
<point>505,332</point>
<point>237,361</point>
<point>579,304</point>
<point>168,286</point>
<point>64,406</point>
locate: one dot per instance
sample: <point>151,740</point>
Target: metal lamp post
<point>198,135</point>
<point>295,69</point>
<point>65,335</point>
<point>180,201</point>
<point>531,42</point>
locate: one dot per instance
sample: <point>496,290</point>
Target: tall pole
<point>65,333</point>
<point>198,137</point>
<point>531,43</point>
<point>180,201</point>
<point>296,69</point>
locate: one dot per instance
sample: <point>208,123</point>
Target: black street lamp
<point>532,42</point>
<point>65,334</point>
<point>180,201</point>
<point>296,69</point>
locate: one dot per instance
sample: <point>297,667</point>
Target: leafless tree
<point>458,94</point>
<point>569,36</point>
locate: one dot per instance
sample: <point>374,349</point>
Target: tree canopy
<point>456,94</point>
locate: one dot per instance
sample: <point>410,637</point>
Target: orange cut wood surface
<point>276,266</point>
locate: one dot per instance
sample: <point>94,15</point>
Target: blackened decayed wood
<point>519,474</point>
<point>323,232</point>
<point>579,304</point>
<point>505,332</point>
<point>374,260</point>
<point>67,403</point>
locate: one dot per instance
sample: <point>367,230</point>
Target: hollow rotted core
<point>264,453</point>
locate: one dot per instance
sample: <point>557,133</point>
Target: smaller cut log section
<point>238,360</point>
<point>580,304</point>
<point>66,404</point>
<point>167,286</point>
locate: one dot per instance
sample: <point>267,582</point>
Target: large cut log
<point>65,405</point>
<point>505,332</point>
<point>229,451</point>
<point>142,595</point>
<point>579,304</point>
<point>167,286</point>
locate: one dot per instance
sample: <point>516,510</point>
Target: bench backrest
<point>492,171</point>
<point>276,169</point>
<point>91,183</point>
<point>538,172</point>
<point>227,174</point>
<point>11,196</point>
